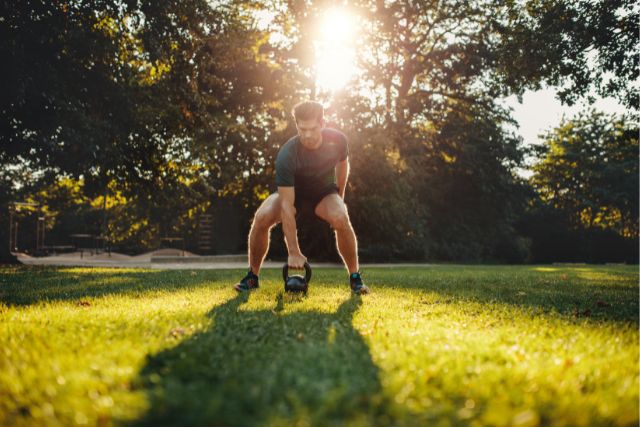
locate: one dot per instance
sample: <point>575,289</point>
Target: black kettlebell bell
<point>296,283</point>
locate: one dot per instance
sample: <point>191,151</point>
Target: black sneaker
<point>357,287</point>
<point>249,282</point>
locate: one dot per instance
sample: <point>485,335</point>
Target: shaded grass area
<point>450,345</point>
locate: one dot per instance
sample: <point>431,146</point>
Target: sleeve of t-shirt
<point>285,169</point>
<point>345,148</point>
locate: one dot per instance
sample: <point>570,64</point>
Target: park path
<point>164,260</point>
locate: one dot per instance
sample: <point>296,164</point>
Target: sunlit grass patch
<point>439,345</point>
<point>546,269</point>
<point>103,271</point>
<point>599,276</point>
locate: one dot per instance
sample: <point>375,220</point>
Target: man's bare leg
<point>333,210</point>
<point>259,239</point>
<point>258,247</point>
<point>267,215</point>
<point>348,246</point>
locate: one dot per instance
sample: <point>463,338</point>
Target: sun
<point>335,52</point>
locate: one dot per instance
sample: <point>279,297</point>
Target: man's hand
<point>296,261</point>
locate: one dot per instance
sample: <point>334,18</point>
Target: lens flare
<point>335,54</point>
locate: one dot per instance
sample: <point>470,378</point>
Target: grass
<point>442,345</point>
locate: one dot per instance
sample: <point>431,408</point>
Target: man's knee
<point>267,215</point>
<point>261,220</point>
<point>339,220</point>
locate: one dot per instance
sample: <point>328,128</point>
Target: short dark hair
<point>307,110</point>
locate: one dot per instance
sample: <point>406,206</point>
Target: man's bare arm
<point>288,215</point>
<point>342,174</point>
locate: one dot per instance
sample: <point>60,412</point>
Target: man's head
<point>309,117</point>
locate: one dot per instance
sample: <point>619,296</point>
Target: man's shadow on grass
<point>264,367</point>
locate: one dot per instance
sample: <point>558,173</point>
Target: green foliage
<point>584,47</point>
<point>7,192</point>
<point>449,345</point>
<point>125,109</point>
<point>586,179</point>
<point>588,169</point>
<point>554,239</point>
<point>389,218</point>
<point>77,116</point>
<point>474,195</point>
<point>455,192</point>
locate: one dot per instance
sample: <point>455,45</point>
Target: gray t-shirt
<point>311,170</point>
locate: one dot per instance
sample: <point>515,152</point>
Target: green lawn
<point>442,345</point>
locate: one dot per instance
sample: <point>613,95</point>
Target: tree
<point>588,169</point>
<point>583,47</point>
<point>68,107</point>
<point>133,94</point>
<point>586,180</point>
<point>428,64</point>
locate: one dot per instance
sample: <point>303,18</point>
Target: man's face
<point>310,132</point>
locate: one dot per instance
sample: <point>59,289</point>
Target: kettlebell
<point>296,283</point>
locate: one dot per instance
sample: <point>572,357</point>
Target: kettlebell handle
<point>307,269</point>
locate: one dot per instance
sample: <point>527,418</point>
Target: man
<point>311,174</point>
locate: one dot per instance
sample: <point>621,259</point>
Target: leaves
<point>588,170</point>
<point>582,47</point>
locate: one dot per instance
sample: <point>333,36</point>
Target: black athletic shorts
<point>306,202</point>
